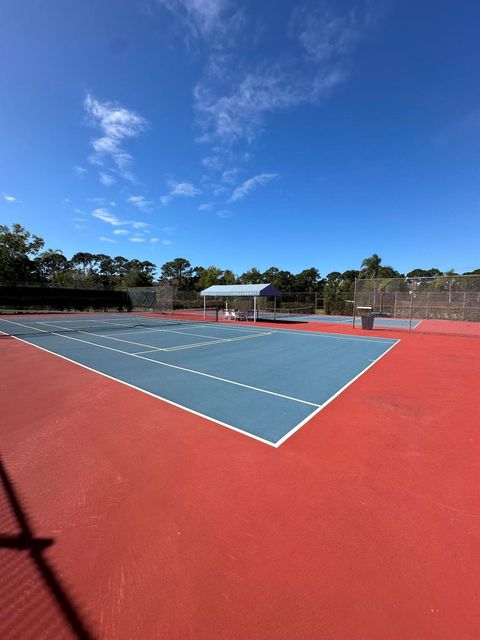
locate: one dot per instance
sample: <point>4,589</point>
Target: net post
<point>354,304</point>
<point>412,292</point>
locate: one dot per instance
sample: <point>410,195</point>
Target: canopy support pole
<point>274,308</point>
<point>204,307</point>
<point>254,308</point>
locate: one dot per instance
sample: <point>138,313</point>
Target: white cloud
<point>140,225</point>
<point>200,17</point>
<point>183,189</point>
<point>141,203</point>
<point>166,242</point>
<point>325,34</point>
<point>169,230</point>
<point>252,183</point>
<point>224,213</point>
<point>110,218</point>
<point>179,190</point>
<point>206,206</point>
<point>102,201</point>
<point>105,239</point>
<point>165,200</point>
<point>79,226</point>
<point>154,240</point>
<point>79,171</point>
<point>106,179</point>
<point>117,124</point>
<point>235,95</point>
<point>121,232</point>
<point>228,176</point>
<point>137,239</point>
<point>9,198</point>
<point>79,219</point>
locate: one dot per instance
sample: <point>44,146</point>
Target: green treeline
<point>23,258</point>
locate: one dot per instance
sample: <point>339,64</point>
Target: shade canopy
<point>238,290</point>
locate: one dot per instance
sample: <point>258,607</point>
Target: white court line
<point>221,341</point>
<point>175,366</point>
<point>152,348</point>
<point>207,344</point>
<point>313,334</point>
<point>327,402</point>
<point>197,413</point>
<point>148,393</point>
<point>137,331</point>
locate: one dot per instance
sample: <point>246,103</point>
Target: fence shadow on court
<point>35,604</point>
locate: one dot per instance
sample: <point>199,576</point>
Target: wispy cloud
<point>102,201</point>
<point>110,218</point>
<point>117,124</point>
<point>140,202</point>
<point>79,172</point>
<point>9,198</point>
<point>206,206</point>
<point>105,239</point>
<point>169,230</point>
<point>137,239</point>
<point>179,190</point>
<point>326,34</point>
<point>252,183</point>
<point>121,232</point>
<point>183,189</point>
<point>224,213</point>
<point>166,242</point>
<point>106,178</point>
<point>203,17</point>
<point>234,97</point>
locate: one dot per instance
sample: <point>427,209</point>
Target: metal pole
<point>204,307</point>
<point>354,303</point>
<point>254,308</point>
<point>274,308</point>
<point>411,307</point>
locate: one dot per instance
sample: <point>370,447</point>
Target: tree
<point>17,245</point>
<point>307,280</point>
<point>424,273</point>
<point>252,276</point>
<point>370,266</point>
<point>136,273</point>
<point>178,272</point>
<point>50,264</point>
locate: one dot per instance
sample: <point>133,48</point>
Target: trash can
<point>367,321</point>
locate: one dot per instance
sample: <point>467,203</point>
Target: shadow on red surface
<point>30,587</point>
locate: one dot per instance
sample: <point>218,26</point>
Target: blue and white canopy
<point>238,290</point>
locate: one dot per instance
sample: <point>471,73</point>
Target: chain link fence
<point>448,298</point>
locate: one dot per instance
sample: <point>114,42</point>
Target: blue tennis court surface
<point>263,382</point>
<point>398,323</point>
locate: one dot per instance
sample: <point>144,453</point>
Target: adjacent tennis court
<point>263,382</point>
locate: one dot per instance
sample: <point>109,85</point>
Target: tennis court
<point>177,477</point>
<point>265,383</point>
<point>387,323</point>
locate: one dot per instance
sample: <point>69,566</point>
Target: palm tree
<point>371,266</point>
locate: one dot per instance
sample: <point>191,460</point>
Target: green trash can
<point>367,321</point>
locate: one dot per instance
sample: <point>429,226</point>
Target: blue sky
<point>240,134</point>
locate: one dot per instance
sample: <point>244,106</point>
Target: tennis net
<point>286,314</point>
<point>48,323</point>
